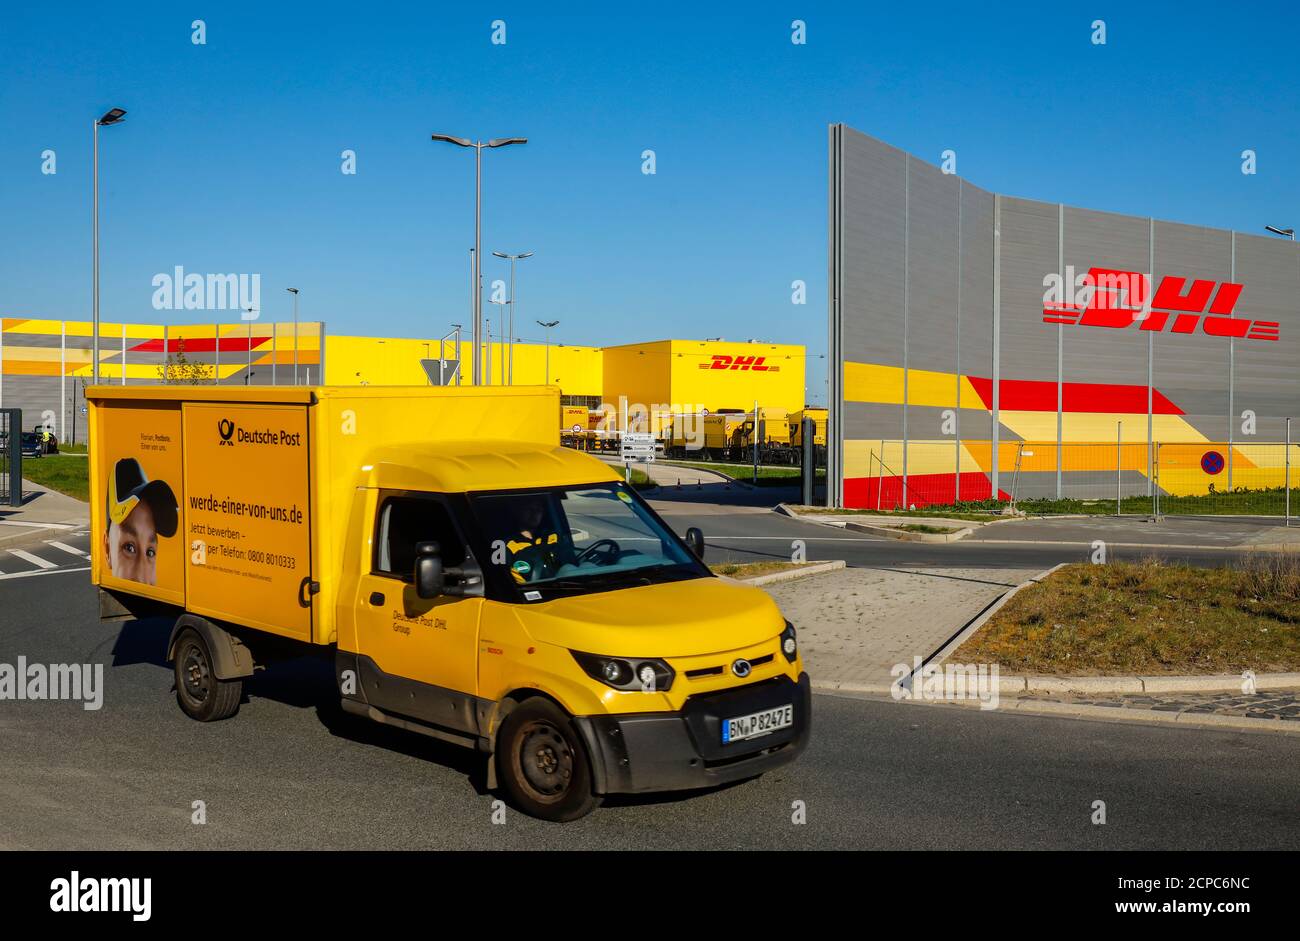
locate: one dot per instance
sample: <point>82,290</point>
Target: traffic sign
<point>637,446</point>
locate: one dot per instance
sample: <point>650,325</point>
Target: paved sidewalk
<point>43,510</point>
<point>856,624</point>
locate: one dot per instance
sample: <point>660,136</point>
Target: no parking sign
<point>1212,462</point>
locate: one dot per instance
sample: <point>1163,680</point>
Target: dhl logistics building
<point>980,343</point>
<point>45,364</point>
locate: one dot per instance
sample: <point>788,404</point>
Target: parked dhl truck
<point>818,417</point>
<point>500,593</point>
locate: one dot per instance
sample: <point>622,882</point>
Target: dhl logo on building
<point>1119,299</point>
<point>744,363</point>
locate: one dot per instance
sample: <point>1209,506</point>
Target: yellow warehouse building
<point>44,365</point>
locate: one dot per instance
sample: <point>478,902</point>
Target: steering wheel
<point>608,546</point>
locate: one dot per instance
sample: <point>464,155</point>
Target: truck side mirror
<point>695,540</point>
<point>429,576</point>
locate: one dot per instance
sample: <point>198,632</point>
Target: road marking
<point>41,525</point>
<point>33,559</point>
<point>56,571</point>
<point>804,538</point>
<point>71,550</point>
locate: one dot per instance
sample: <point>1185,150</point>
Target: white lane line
<point>33,559</point>
<point>41,525</point>
<point>804,538</point>
<point>42,572</point>
<point>71,550</point>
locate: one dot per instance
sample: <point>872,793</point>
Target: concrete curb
<point>848,686</point>
<point>1261,547</point>
<point>1141,685</point>
<point>722,478</point>
<point>810,568</point>
<point>1010,685</point>
<point>968,526</point>
<point>1185,720</point>
<point>972,526</point>
<point>946,649</point>
<point>1132,714</point>
<point>893,532</point>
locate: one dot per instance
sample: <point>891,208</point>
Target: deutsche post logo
<point>1120,299</point>
<point>226,428</point>
<point>743,363</point>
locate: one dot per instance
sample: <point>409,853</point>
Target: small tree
<point>180,370</point>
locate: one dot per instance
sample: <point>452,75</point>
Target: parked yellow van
<point>476,582</point>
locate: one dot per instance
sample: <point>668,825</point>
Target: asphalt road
<point>752,533</point>
<point>292,771</point>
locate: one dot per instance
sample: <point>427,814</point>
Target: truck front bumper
<point>678,751</point>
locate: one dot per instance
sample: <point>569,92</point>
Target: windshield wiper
<point>598,580</point>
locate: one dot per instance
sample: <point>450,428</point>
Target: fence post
<point>1288,472</point>
<point>12,421</point>
<point>880,465</point>
<point>807,429</point>
<point>1119,464</point>
<point>1155,491</point>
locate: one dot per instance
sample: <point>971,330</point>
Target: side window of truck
<point>406,521</point>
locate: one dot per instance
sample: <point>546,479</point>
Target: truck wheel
<point>198,691</point>
<point>543,764</point>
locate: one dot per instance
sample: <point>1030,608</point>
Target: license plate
<point>757,724</point>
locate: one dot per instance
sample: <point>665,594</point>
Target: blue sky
<point>230,158</point>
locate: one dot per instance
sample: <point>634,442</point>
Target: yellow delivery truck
<point>501,592</point>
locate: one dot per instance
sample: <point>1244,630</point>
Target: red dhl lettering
<point>1119,300</point>
<point>742,363</point>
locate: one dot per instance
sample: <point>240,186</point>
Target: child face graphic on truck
<point>139,511</point>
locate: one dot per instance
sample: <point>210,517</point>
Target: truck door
<point>247,514</point>
<point>417,656</point>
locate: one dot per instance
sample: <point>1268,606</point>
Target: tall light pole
<point>1285,233</point>
<point>109,118</point>
<point>294,292</point>
<point>477,280</point>
<point>510,379</point>
<point>547,325</point>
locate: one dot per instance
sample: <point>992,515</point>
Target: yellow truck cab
<point>489,589</point>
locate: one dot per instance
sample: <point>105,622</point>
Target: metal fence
<point>1195,478</point>
<point>11,457</point>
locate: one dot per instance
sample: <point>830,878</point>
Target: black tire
<point>199,693</point>
<point>543,764</point>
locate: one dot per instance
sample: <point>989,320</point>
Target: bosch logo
<point>742,363</point>
<point>1119,299</point>
<point>226,428</point>
<point>741,668</point>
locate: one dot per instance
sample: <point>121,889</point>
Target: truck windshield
<point>575,540</point>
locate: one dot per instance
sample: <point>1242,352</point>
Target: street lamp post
<point>1285,233</point>
<point>294,292</point>
<point>477,280</point>
<point>547,325</point>
<point>109,118</point>
<point>510,380</point>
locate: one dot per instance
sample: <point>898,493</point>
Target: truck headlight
<point>789,643</point>
<point>630,674</point>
